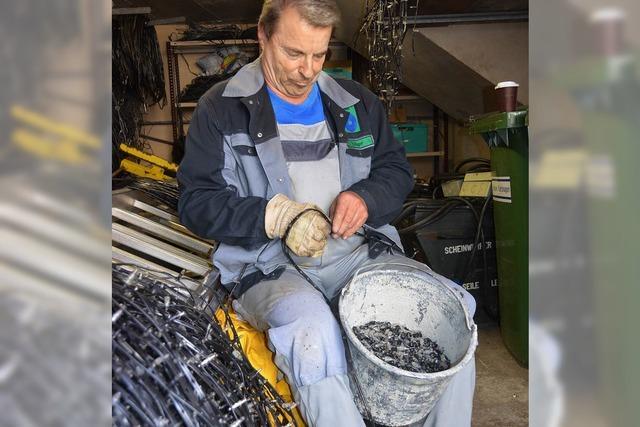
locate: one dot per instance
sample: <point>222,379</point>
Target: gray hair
<point>318,13</point>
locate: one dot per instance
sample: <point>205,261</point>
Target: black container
<point>446,246</point>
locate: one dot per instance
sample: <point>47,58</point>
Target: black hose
<point>479,238</point>
<point>435,216</point>
<point>481,160</point>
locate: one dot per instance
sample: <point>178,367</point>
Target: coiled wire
<point>205,31</point>
<point>137,78</point>
<point>385,26</point>
<point>174,365</point>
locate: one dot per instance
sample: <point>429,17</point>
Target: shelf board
<point>191,104</point>
<point>426,154</point>
<point>409,98</point>
<point>406,98</point>
<point>213,43</point>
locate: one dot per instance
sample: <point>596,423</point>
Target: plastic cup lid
<point>507,84</point>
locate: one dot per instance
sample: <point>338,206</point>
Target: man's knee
<point>305,332</point>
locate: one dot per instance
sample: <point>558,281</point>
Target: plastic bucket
<point>417,299</point>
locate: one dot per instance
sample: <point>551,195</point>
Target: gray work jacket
<point>234,163</point>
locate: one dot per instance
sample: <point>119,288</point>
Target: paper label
<point>501,187</point>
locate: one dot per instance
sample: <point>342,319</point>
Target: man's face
<point>292,58</point>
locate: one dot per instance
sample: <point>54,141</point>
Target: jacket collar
<point>249,80</point>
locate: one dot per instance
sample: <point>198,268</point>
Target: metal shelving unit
<point>443,158</point>
<point>440,150</point>
<point>174,50</point>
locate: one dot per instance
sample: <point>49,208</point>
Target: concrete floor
<point>502,386</point>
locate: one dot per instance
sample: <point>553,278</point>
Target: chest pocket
<point>245,150</point>
<point>242,144</point>
<point>358,153</point>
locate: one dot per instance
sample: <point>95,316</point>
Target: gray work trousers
<point>307,341</point>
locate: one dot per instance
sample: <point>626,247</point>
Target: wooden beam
<point>167,21</point>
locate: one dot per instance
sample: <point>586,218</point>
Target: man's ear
<point>262,37</point>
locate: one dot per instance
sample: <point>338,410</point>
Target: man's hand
<point>307,237</point>
<point>348,213</point>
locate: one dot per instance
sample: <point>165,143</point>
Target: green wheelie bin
<point>506,133</point>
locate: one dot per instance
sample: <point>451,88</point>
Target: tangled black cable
<point>477,164</point>
<point>409,209</point>
<point>469,165</point>
<point>137,77</point>
<point>173,365</point>
<point>199,85</point>
<point>385,25</point>
<point>202,31</point>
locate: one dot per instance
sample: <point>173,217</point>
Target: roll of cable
<point>478,160</point>
<point>172,364</point>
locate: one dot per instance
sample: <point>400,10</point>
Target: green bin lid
<point>498,120</point>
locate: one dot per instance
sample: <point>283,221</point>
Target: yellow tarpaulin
<point>254,346</point>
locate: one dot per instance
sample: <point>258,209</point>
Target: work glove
<point>307,237</point>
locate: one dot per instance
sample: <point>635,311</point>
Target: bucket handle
<point>429,272</point>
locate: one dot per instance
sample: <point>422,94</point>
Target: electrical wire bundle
<point>407,229</point>
<point>200,31</point>
<point>199,85</point>
<point>385,25</point>
<point>173,365</point>
<point>469,165</point>
<point>137,78</point>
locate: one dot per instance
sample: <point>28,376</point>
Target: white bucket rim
<point>472,327</point>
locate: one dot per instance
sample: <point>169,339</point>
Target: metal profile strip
<point>155,211</point>
<point>45,259</point>
<point>162,231</point>
<point>158,249</point>
<point>122,256</point>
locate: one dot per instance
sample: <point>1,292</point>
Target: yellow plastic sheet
<point>254,346</point>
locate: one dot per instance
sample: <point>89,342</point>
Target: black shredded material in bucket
<point>399,346</point>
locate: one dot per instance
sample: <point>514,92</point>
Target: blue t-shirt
<point>308,148</point>
<point>302,127</point>
<point>308,113</point>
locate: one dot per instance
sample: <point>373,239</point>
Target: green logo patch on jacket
<point>352,125</point>
<point>360,143</point>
